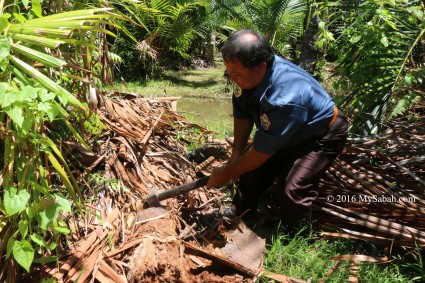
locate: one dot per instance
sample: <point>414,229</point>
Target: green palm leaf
<point>373,56</point>
<point>280,21</point>
<point>37,56</point>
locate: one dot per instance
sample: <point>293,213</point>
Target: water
<point>216,115</point>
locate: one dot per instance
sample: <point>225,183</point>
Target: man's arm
<point>241,161</point>
<point>242,129</point>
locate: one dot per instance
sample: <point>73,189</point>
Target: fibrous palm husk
<point>145,151</point>
<point>375,191</point>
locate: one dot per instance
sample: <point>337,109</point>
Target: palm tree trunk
<point>310,54</point>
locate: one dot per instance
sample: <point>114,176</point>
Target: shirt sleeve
<point>240,107</point>
<point>280,123</point>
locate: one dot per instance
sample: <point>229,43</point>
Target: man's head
<point>246,55</point>
<point>250,47</point>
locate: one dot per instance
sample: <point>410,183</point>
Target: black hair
<point>250,47</point>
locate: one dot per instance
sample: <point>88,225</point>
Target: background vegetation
<point>57,56</point>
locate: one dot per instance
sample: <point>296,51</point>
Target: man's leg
<point>298,188</point>
<point>253,184</point>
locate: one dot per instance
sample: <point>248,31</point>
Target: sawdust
<point>158,256</point>
<point>161,257</point>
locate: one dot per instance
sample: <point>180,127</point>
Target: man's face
<point>242,76</point>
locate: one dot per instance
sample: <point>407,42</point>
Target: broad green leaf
<point>322,25</point>
<point>320,43</point>
<point>36,8</point>
<point>38,240</point>
<point>60,109</point>
<point>28,93</point>
<point>27,124</point>
<point>43,107</point>
<point>7,98</point>
<point>23,254</point>
<point>4,49</point>
<point>61,230</point>
<point>63,203</point>
<point>19,17</point>
<point>23,228</point>
<point>46,95</point>
<point>25,3</point>
<point>391,24</point>
<point>46,260</point>
<point>408,79</point>
<point>384,41</point>
<point>15,202</point>
<point>417,11</point>
<point>16,114</point>
<point>3,23</point>
<point>355,39</point>
<point>9,247</point>
<point>42,204</point>
<point>329,35</point>
<point>48,217</point>
<point>49,109</point>
<point>52,246</point>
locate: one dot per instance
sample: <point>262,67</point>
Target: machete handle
<point>183,188</point>
<point>154,199</point>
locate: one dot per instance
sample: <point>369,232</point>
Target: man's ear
<point>262,67</point>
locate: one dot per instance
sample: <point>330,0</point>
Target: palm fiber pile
<point>374,191</point>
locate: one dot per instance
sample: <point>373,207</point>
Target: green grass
<point>198,83</point>
<point>307,258</point>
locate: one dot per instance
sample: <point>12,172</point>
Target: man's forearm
<point>242,130</point>
<point>248,161</point>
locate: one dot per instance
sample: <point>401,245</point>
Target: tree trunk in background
<point>310,54</point>
<point>210,50</point>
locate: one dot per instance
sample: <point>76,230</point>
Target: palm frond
<point>374,57</point>
<point>280,21</point>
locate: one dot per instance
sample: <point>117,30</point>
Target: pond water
<point>214,114</point>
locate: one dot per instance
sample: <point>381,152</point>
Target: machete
<point>153,200</point>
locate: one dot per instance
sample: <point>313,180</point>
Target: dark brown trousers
<point>294,172</point>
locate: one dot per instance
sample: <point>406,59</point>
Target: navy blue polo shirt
<point>288,107</point>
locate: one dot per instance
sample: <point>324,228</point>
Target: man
<point>299,131</point>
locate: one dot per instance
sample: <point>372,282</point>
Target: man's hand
<point>218,177</point>
<point>247,162</point>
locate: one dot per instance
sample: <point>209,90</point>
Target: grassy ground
<point>199,83</point>
<point>304,256</point>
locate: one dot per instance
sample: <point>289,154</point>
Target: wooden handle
<point>183,188</point>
